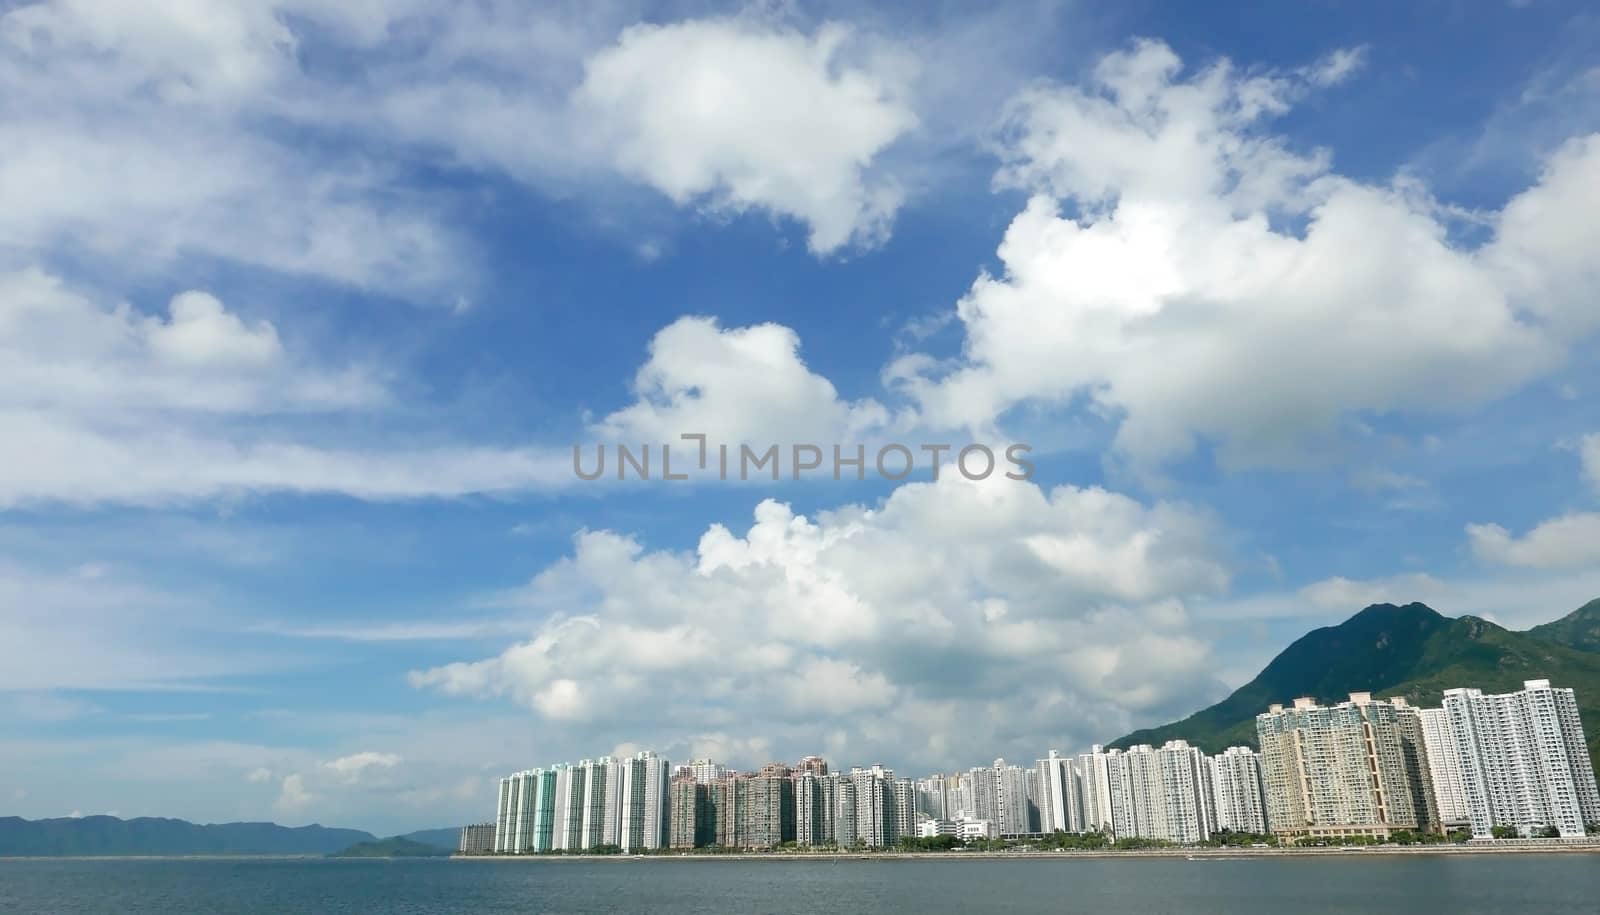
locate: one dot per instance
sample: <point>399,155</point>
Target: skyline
<point>1366,768</point>
<point>303,310</point>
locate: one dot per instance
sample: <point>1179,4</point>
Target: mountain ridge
<point>1408,650</point>
<point>112,836</point>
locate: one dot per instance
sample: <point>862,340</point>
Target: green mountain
<point>1409,651</point>
<point>105,835</point>
<point>1579,629</point>
<point>446,837</point>
<point>395,847</point>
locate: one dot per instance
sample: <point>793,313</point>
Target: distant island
<point>395,847</point>
<point>93,836</point>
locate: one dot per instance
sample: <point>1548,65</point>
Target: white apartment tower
<point>1059,808</point>
<point>816,803</point>
<point>1238,799</point>
<point>1095,789</point>
<point>602,801</point>
<point>645,804</point>
<point>905,808</point>
<point>1000,795</point>
<point>1444,766</point>
<point>567,812</point>
<point>875,822</point>
<point>1524,762</point>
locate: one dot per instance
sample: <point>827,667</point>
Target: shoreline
<point>1196,854</point>
<point>1185,853</point>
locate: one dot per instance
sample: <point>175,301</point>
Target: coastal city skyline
<point>367,371</point>
<point>1486,766</point>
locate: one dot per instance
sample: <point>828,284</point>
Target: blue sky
<point>303,306</point>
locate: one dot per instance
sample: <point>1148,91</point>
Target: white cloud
<point>352,767</point>
<point>102,403</point>
<point>1337,67</point>
<point>293,796</point>
<point>738,115</point>
<point>896,626</point>
<point>1347,595</point>
<point>1589,451</point>
<point>739,384</point>
<point>259,776</point>
<point>1192,279</point>
<point>1568,542</point>
<point>62,349</point>
<point>139,137</point>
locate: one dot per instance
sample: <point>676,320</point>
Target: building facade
<point>1059,808</point>
<point>1238,798</point>
<point>1524,761</point>
<point>646,802</point>
<point>477,839</point>
<point>1336,771</point>
<point>1444,766</point>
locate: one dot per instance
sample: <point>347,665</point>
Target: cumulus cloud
<point>104,403</point>
<point>1567,542</point>
<point>293,795</point>
<point>64,349</point>
<point>895,627</point>
<point>1192,278</point>
<point>136,137</point>
<point>742,115</point>
<point>152,137</point>
<point>351,767</point>
<point>737,384</point>
<point>259,776</point>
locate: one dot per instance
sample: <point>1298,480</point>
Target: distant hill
<point>447,837</point>
<point>1409,651</point>
<point>396,847</point>
<point>105,835</point>
<point>1579,629</point>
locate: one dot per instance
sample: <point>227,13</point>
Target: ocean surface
<point>1456,885</point>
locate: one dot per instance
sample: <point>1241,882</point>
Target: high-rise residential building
<point>1160,793</point>
<point>815,765</point>
<point>477,839</point>
<point>693,818</point>
<point>1524,761</point>
<point>875,822</point>
<point>1238,799</point>
<point>767,808</point>
<point>1095,789</point>
<point>505,820</point>
<point>846,807</point>
<point>1059,809</point>
<point>602,799</point>
<point>1414,750</point>
<point>727,796</point>
<point>1034,789</point>
<point>1444,765</point>
<point>706,770</point>
<point>905,808</point>
<point>568,808</point>
<point>543,827</point>
<point>1000,795</point>
<point>933,798</point>
<point>964,797</point>
<point>816,801</point>
<point>1334,771</point>
<point>646,803</point>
